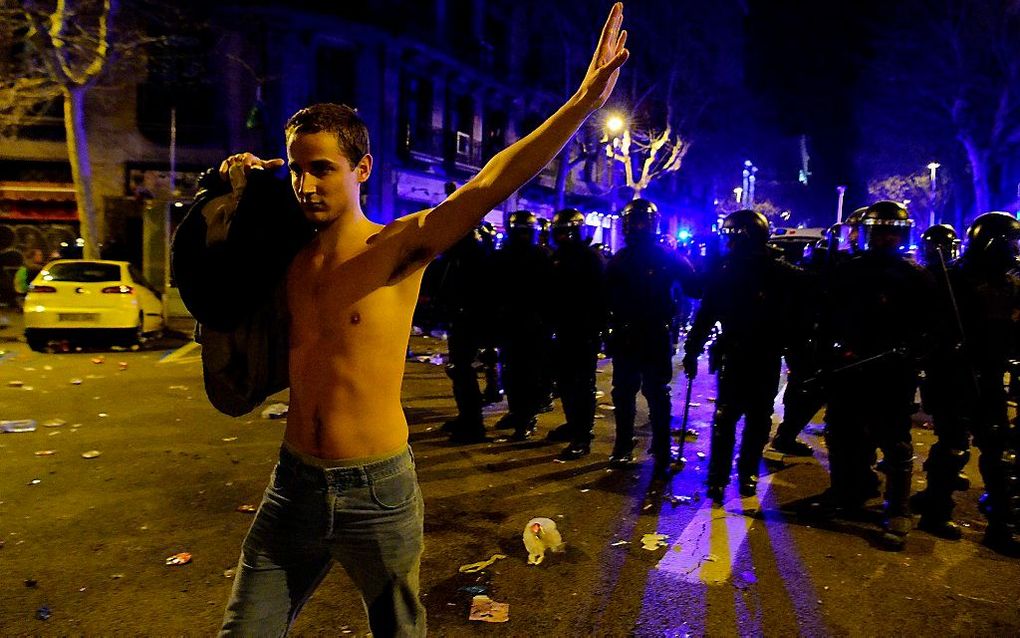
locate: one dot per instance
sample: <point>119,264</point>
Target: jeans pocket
<point>393,492</point>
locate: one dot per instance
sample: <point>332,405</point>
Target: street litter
<point>618,543</point>
<point>103,415</point>
<point>695,404</point>
<point>43,613</point>
<point>701,456</point>
<point>31,582</point>
<point>178,387</point>
<point>712,558</point>
<point>20,425</point>
<point>228,439</point>
<point>116,576</point>
<point>607,406</point>
<point>15,383</point>
<point>179,559</point>
<point>98,360</point>
<point>247,509</point>
<point>91,454</point>
<point>474,590</point>
<point>35,482</point>
<point>275,411</point>
<point>471,568</point>
<point>683,631</point>
<point>541,534</point>
<point>653,542</point>
<point>487,610</point>
<point>75,381</point>
<point>54,423</point>
<point>680,499</point>
<point>228,573</point>
<point>45,452</point>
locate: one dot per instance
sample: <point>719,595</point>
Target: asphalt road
<point>88,539</point>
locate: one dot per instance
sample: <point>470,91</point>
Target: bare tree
<point>655,152</point>
<point>953,67</point>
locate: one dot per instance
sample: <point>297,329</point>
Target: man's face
<point>36,257</point>
<point>323,179</point>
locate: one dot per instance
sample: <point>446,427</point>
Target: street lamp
<point>738,192</point>
<point>748,183</point>
<point>615,123</point>
<point>841,190</point>
<point>932,167</point>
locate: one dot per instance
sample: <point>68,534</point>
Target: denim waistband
<point>349,476</point>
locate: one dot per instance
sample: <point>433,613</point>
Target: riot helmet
<point>744,232</point>
<point>640,221</point>
<point>522,227</point>
<point>485,235</point>
<point>939,245</point>
<point>993,241</point>
<point>846,233</point>
<point>885,227</point>
<point>543,231</point>
<point>568,227</point>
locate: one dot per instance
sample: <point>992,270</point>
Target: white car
<point>90,298</point>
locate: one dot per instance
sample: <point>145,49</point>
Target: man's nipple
<point>355,318</point>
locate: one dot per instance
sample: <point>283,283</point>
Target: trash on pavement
<point>486,609</point>
<point>91,454</point>
<point>275,411</point>
<point>540,534</point>
<point>122,365</point>
<point>182,558</point>
<point>43,613</point>
<point>681,499</point>
<point>712,558</point>
<point>436,359</point>
<point>652,542</point>
<point>229,573</point>
<point>45,452</point>
<point>20,425</point>
<point>228,439</point>
<point>98,360</point>
<point>75,381</point>
<point>607,406</point>
<point>31,582</point>
<point>701,456</point>
<point>474,590</point>
<point>247,509</point>
<point>116,576</point>
<point>618,543</point>
<point>471,568</point>
<point>103,415</point>
<point>15,383</point>
<point>179,387</point>
<point>54,423</point>
<point>695,404</point>
<point>34,481</point>
<point>681,631</point>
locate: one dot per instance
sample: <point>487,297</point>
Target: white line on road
<point>183,354</point>
<point>712,539</point>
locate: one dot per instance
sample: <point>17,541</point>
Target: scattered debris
<point>471,568</point>
<point>683,631</point>
<point>618,543</point>
<point>75,381</point>
<point>98,360</point>
<point>116,576</point>
<point>541,534</point>
<point>122,365</point>
<point>701,456</point>
<point>247,509</point>
<point>15,383</point>
<point>183,388</point>
<point>609,407</point>
<point>31,582</point>
<point>681,499</point>
<point>91,454</point>
<point>45,452</point>
<point>653,542</point>
<point>103,415</point>
<point>20,425</point>
<point>54,423</point>
<point>485,609</point>
<point>474,590</point>
<point>34,481</point>
<point>275,411</point>
<point>712,558</point>
<point>695,404</point>
<point>229,573</point>
<point>182,558</point>
<point>228,439</point>
<point>43,613</point>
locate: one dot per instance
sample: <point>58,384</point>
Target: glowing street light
<point>738,193</point>
<point>615,123</point>
<point>932,168</point>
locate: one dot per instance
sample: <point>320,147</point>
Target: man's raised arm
<point>512,167</point>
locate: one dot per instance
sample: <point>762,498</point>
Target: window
<point>336,75</point>
<point>83,271</point>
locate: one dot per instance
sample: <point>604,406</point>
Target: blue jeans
<point>368,517</point>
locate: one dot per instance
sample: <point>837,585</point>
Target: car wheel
<point>36,341</point>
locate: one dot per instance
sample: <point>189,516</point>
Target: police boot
<point>623,452</point>
<point>940,527</point>
<point>575,450</point>
<point>1001,539</point>
<point>792,448</point>
<point>715,493</point>
<point>894,533</point>
<point>524,431</point>
<point>748,484</point>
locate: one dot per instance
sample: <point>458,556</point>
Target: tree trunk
<point>81,167</point>
<point>978,159</point>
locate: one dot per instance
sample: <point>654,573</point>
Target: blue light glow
<point>683,235</point>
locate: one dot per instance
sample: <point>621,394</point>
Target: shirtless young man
<point>345,488</point>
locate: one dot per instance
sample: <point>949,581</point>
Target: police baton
<point>683,424</point>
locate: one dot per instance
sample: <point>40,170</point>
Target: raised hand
<point>609,56</point>
<point>235,168</point>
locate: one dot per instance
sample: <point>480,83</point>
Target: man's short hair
<point>338,119</point>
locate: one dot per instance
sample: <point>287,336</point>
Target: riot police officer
<point>578,320</point>
<point>523,269</point>
<point>965,393</point>
<point>803,397</point>
<point>940,246</point>
<point>462,271</point>
<point>640,281</point>
<point>756,297</point>
<point>878,326</point>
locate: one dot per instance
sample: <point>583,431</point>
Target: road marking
<point>183,354</point>
<point>712,539</point>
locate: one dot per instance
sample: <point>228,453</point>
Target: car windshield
<point>83,271</point>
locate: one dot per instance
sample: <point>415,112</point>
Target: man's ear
<point>364,168</point>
